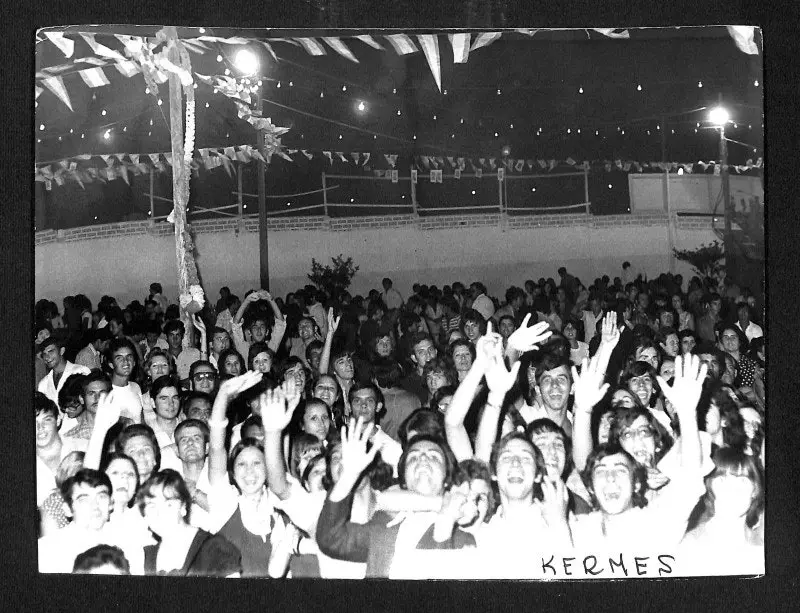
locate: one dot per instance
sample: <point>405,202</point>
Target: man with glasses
<point>203,377</point>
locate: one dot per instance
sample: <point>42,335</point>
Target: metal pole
<point>586,188</point>
<point>414,197</point>
<point>239,188</point>
<point>726,199</point>
<point>152,200</point>
<point>325,194</point>
<point>670,235</point>
<point>500,195</point>
<point>263,239</point>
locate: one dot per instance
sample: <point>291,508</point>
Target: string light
<point>597,132</point>
<point>580,91</point>
<point>344,88</point>
<point>82,135</point>
<point>202,30</point>
<point>107,134</point>
<point>452,136</point>
<point>322,94</point>
<point>735,125</point>
<point>695,130</point>
<point>648,133</point>
<point>569,130</point>
<point>579,130</point>
<point>103,112</point>
<point>151,121</point>
<point>415,137</point>
<point>495,133</point>
<point>638,88</point>
<point>124,129</point>
<point>70,130</point>
<point>148,134</point>
<point>41,126</point>
<point>609,186</point>
<point>623,132</point>
<point>749,126</point>
<point>195,86</point>
<point>160,102</point>
<point>340,137</point>
<point>227,71</point>
<point>462,120</point>
<point>698,124</point>
<point>512,126</point>
<point>207,105</point>
<point>658,127</point>
<point>755,82</point>
<point>533,189</point>
<point>394,91</point>
<point>673,131</point>
<point>219,58</point>
<point>398,112</point>
<point>374,137</point>
<point>473,192</point>
<point>38,140</point>
<point>498,92</point>
<point>699,84</point>
<point>259,82</point>
<point>445,93</point>
<point>291,83</point>
<point>434,117</point>
<point>361,105</point>
<point>146,90</point>
<point>278,85</point>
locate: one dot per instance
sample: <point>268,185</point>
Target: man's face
<point>612,482</point>
<point>343,367</point>
<point>632,293</point>
<point>435,380</point>
<point>667,370</point>
<point>516,469</point>
<point>424,352</point>
<point>53,356</point>
<point>554,387</point>
<point>642,386</point>
<point>91,506</point>
<point>425,468</point>
<point>220,342</point>
<point>644,300</point>
<point>569,332</point>
<point>667,319</point>
<point>92,393</point>
<point>123,361</point>
<point>191,443</point>
<point>204,379</point>
<point>711,361</point>
<point>474,292</point>
<point>671,345</point>
<point>649,355</point>
<point>198,408</point>
<point>73,408</point>
<point>506,327</point>
<point>168,403</point>
<point>175,339</point>
<point>472,329</point>
<point>687,344</point>
<point>638,439</point>
<point>305,329</point>
<point>46,429</point>
<point>730,341</point>
<point>232,366</point>
<point>594,304</point>
<point>365,405</point>
<point>150,310</point>
<point>715,306</point>
<point>258,331</point>
<point>115,328</point>
<point>383,346</point>
<point>314,358</point>
<point>551,444</point>
<point>141,450</point>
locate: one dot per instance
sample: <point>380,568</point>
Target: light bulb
<point>278,85</point>
<point>103,112</point>
<point>569,130</point>
<point>434,117</point>
<point>699,84</point>
<point>398,112</point>
<point>344,88</point>
<point>473,192</point>
<point>146,90</point>
<point>206,104</point>
<point>202,30</point>
<point>160,102</point>
<point>219,58</point>
<point>41,126</point>
<point>495,133</point>
<point>755,82</point>
<point>394,91</point>
<point>498,92</point>
<point>609,186</point>
<point>639,88</point>
<point>227,71</point>
<point>291,83</point>
<point>322,94</point>
<point>580,91</point>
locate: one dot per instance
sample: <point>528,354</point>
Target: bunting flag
<point>586,164</point>
<point>519,165</point>
<point>613,32</point>
<point>744,37</point>
<point>56,85</point>
<point>484,39</point>
<point>479,173</point>
<point>395,176</point>
<point>461,164</point>
<point>370,41</point>
<point>337,45</point>
<point>451,161</point>
<point>460,44</point>
<point>355,157</point>
<point>94,61</point>
<point>501,173</point>
<point>311,46</point>
<point>127,68</point>
<point>269,48</point>
<point>66,45</point>
<point>328,155</point>
<point>430,47</point>
<point>37,91</point>
<point>626,166</point>
<point>529,164</point>
<point>94,77</point>
<point>402,44</point>
<point>379,173</point>
<point>482,161</point>
<point>425,161</point>
<point>366,158</point>
<point>101,50</point>
<point>391,159</point>
<point>492,163</point>
<point>552,164</point>
<point>340,155</point>
<point>306,153</point>
<point>571,162</point>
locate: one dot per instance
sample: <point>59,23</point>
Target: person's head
<point>87,495</point>
<point>116,322</point>
<point>752,422</point>
<point>293,369</point>
<point>155,288</point>
<point>462,354</point>
<point>744,314</point>
<point>419,422</point>
<point>259,328</point>
<point>313,476</point>
<point>174,330</point>
<point>640,378</point>
<point>342,363</point>
<point>69,396</point>
<point>253,427</point>
<point>203,377</point>
<point>386,373</point>
<point>47,420</point>
<point>231,363</point>
<point>305,328</point>
<point>427,465</point>
<point>473,325</point>
<point>553,380</point>
<point>438,373</point>
<point>735,488</point>
<point>124,477</point>
<point>518,468</point>
<point>506,326</point>
<point>714,303</point>
<point>166,395</point>
<point>220,340</point>
<point>101,560</point>
<point>68,466</point>
<point>688,341</point>
<point>614,480</point>
<point>422,349</point>
<point>638,432</point>
<point>247,468</point>
<point>314,354</point>
<point>570,328</point>
<point>731,339</point>
<point>555,446</point>
<point>441,399</point>
<point>678,302</point>
<point>667,369</point>
<point>515,296</point>
<point>314,417</point>
<point>712,358</point>
<point>191,440</point>
<point>122,359</point>
<point>327,389</point>
<point>387,283</point>
<point>479,477</point>
<point>304,446</point>
<point>366,402</point>
<point>164,501</point>
<point>260,357</point>
<point>138,441</point>
<point>158,363</point>
<point>52,352</point>
<point>647,351</point>
<point>383,344</point>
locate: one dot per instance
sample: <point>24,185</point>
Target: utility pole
<point>724,176</point>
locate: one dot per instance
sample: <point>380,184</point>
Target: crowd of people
<point>442,434</point>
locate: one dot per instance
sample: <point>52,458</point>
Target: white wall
<point>698,193</point>
<point>124,266</point>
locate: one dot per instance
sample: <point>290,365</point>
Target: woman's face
<point>231,366</point>
<point>687,344</point>
<point>623,398</point>
<point>168,403</point>
<point>316,420</point>
<point>752,421</point>
<point>262,362</point>
<point>444,404</point>
<point>638,440</point>
<point>649,355</point>
<point>569,332</point>
<point>516,470</point>
<point>315,476</point>
<point>434,381</point>
<point>425,468</point>
<point>733,494</point>
<point>164,510</point>
<point>250,470</point>
<point>122,474</point>
<point>462,358</point>
<point>159,366</point>
<point>326,390</point>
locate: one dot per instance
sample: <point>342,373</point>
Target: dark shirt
<point>415,384</point>
<point>208,556</point>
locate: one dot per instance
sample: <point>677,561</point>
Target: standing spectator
<point>59,368</point>
<point>480,301</point>
<point>391,297</point>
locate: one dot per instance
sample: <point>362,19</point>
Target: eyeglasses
<point>642,433</point>
<point>603,472</point>
<point>199,376</point>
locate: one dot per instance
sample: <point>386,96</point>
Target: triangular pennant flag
<point>440,161</point>
<point>340,48</point>
<point>123,172</point>
<point>460,44</point>
<point>134,157</point>
<point>56,85</point>
<point>461,164</point>
<point>613,32</point>
<point>269,48</point>
<point>292,151</point>
<point>484,39</point>
<point>425,161</point>
<point>542,163</point>
<point>120,157</point>
<point>457,173</point>
<point>366,158</point>
<point>229,153</point>
<point>154,158</point>
<point>168,157</point>
<point>111,173</point>
<point>311,46</point>
<point>94,77</point>
<point>687,168</point>
<point>637,167</point>
<point>257,155</point>
<point>482,161</point>
<point>552,164</point>
<point>430,47</point>
<point>355,156</point>
<point>328,155</point>
<point>127,68</point>
<point>519,165</point>
<point>402,44</point>
<point>378,173</point>
<point>227,165</point>
<point>133,44</point>
<point>529,164</point>
<point>626,166</point>
<point>66,45</point>
<point>570,161</point>
<point>38,91</point>
<point>107,159</point>
<point>370,41</point>
<point>340,155</point>
<point>744,37</point>
<point>607,166</point>
<point>508,163</point>
<point>390,159</point>
<point>492,163</point>
<point>526,31</point>
<point>101,50</point>
<point>451,160</point>
<point>618,163</point>
<point>306,153</point>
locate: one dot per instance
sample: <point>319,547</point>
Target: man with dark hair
<point>592,316</point>
<point>515,299</point>
<point>91,355</point>
<point>399,403</point>
<point>102,560</point>
<point>366,403</point>
<point>220,342</point>
<point>222,303</point>
<point>158,297</point>
<point>197,405</point>
<point>174,330</point>
<point>225,317</point>
<point>422,350</point>
<point>191,441</point>
<point>203,377</point>
<point>87,495</point>
<point>480,301</point>
<point>706,324</point>
<point>391,297</point>
<point>59,368</point>
<point>256,322</point>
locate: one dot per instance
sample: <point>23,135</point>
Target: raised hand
<point>498,377</point>
<point>276,414</point>
<point>610,334</point>
<point>588,385</point>
<point>333,322</point>
<point>525,339</point>
<point>556,500</point>
<point>108,411</point>
<point>291,392</point>
<point>456,504</point>
<point>355,457</point>
<point>688,384</point>
<point>231,388</point>
<point>656,479</point>
<point>199,324</point>
<point>486,345</point>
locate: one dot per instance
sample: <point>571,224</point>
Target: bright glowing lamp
<point>246,62</point>
<point>719,116</point>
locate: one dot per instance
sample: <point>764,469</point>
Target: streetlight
<point>719,116</point>
<point>246,62</point>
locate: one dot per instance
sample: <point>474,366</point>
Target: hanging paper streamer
<point>66,45</point>
<point>460,44</point>
<point>485,39</point>
<point>94,77</point>
<point>370,41</point>
<point>744,37</point>
<point>340,48</point>
<point>613,32</point>
<point>430,47</point>
<point>311,46</point>
<point>402,44</point>
<point>101,50</point>
<point>56,85</point>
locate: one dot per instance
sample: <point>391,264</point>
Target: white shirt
<point>129,399</point>
<point>58,550</point>
<point>590,324</point>
<point>484,305</point>
<point>752,331</point>
<point>50,389</point>
<point>45,478</point>
<point>392,298</point>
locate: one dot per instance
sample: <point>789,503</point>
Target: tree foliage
<point>333,279</point>
<point>706,260</point>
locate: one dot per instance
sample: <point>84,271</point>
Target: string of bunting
<point>84,168</point>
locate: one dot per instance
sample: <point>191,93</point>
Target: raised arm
<point>108,414</point>
<point>454,429</point>
<point>325,358</point>
<point>525,339</point>
<point>277,407</point>
<point>250,299</point>
<point>217,454</point>
<point>201,327</point>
